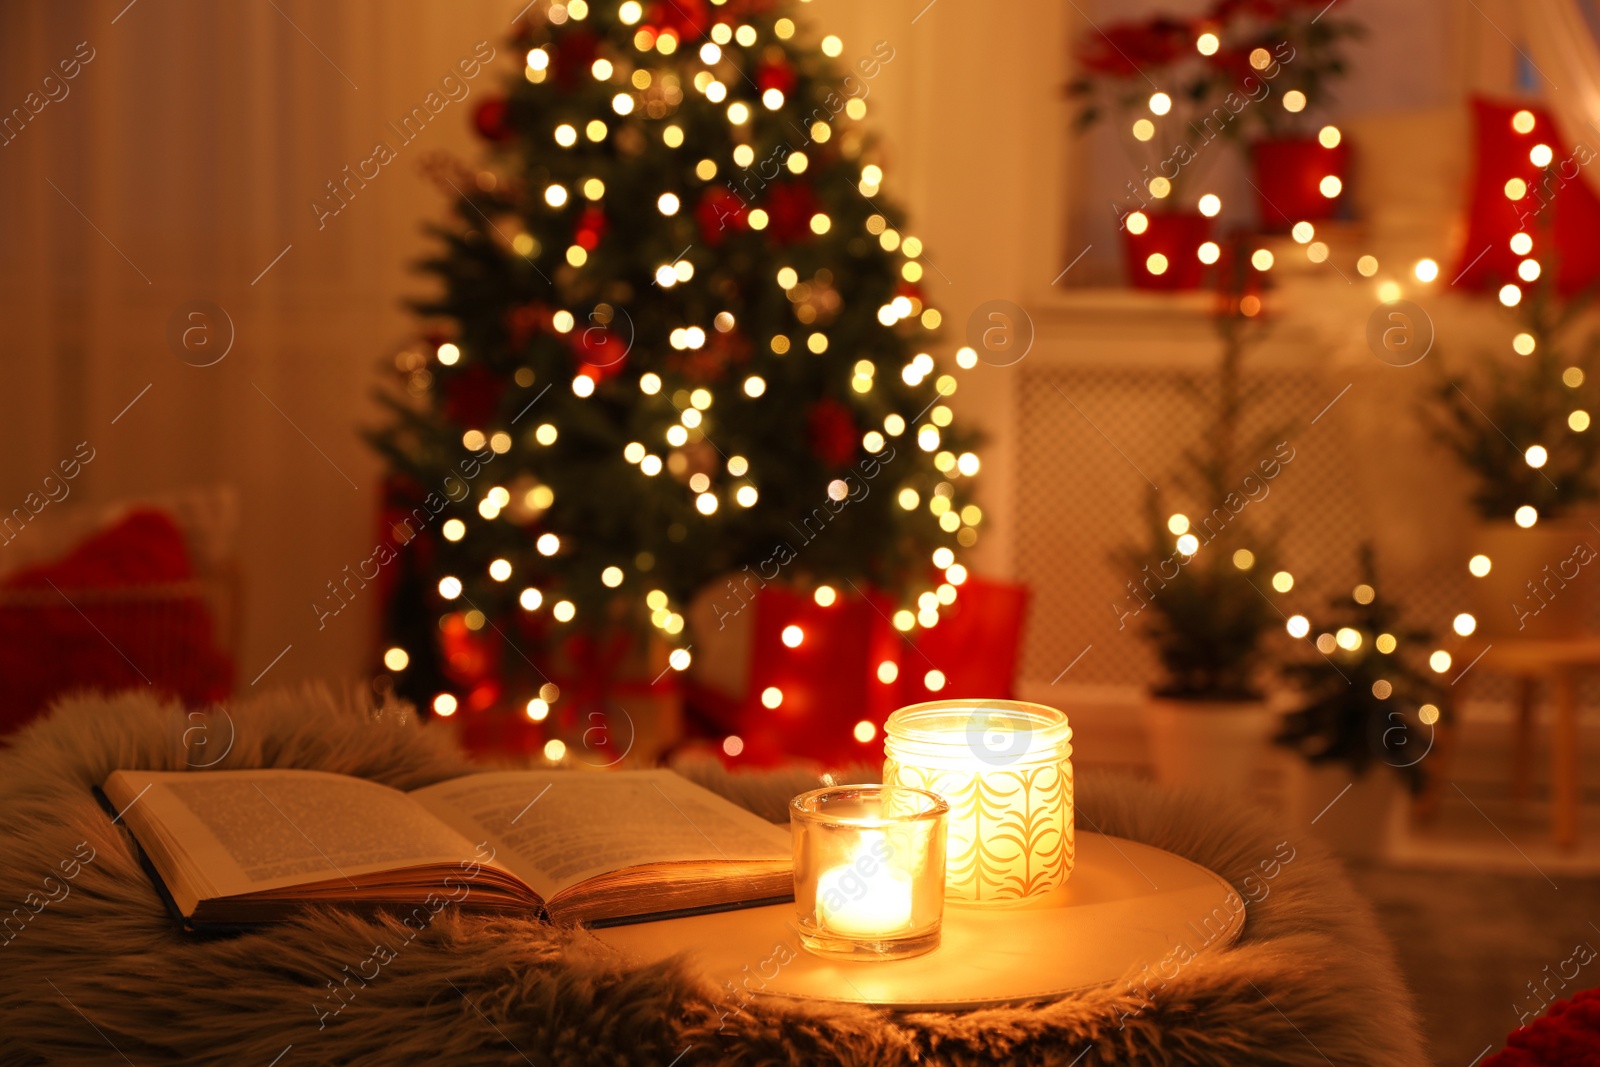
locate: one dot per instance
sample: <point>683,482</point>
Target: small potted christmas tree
<point>1364,703</point>
<point>1521,427</point>
<point>1204,588</point>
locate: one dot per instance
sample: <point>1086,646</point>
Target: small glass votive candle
<point>869,870</point>
<point>1005,768</point>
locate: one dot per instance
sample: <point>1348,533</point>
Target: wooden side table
<point>1559,661</point>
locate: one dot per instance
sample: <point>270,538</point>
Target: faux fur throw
<point>94,971</point>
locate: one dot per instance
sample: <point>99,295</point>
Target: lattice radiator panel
<point>1088,440</point>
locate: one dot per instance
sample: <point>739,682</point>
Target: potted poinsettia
<point>1145,77</point>
<point>1521,426</point>
<point>1364,703</point>
<point>1273,64</point>
<point>1204,588</point>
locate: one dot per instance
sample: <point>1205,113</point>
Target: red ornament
<point>600,353</point>
<point>574,56</point>
<point>832,432</point>
<point>470,658</point>
<point>687,19</point>
<point>472,395</point>
<point>490,120</point>
<point>790,206</point>
<point>779,76</point>
<point>525,321</point>
<point>719,211</point>
<point>591,227</point>
<point>711,363</point>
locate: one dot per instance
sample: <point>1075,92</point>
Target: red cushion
<point>112,621</point>
<point>1559,212</point>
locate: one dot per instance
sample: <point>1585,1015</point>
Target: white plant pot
<point>1356,822</point>
<point>1207,742</point>
<point>1538,585</point>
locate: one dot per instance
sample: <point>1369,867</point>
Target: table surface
<point>1127,905</point>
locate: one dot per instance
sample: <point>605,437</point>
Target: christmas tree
<point>681,343</point>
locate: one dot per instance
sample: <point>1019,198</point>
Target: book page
<point>555,829</point>
<point>245,831</point>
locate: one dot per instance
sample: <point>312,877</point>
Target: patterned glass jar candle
<point>1005,768</point>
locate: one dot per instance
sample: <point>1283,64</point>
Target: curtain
<point>1561,40</point>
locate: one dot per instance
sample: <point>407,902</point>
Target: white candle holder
<point>869,867</point>
<point>1005,768</point>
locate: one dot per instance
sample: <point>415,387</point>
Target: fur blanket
<point>102,975</point>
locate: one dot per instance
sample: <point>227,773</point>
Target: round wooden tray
<point>1126,905</point>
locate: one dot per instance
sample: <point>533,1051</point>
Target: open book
<point>232,848</point>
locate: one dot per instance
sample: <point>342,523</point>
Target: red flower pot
<point>1288,179</point>
<point>1176,237</point>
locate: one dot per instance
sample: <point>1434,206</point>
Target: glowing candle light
<point>866,897</point>
<point>1005,769</point>
<point>869,870</point>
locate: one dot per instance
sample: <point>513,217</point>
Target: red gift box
<point>835,679</point>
